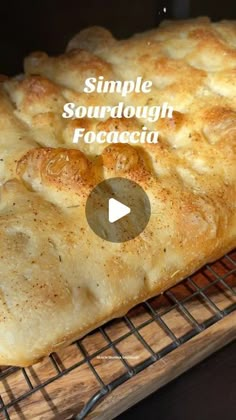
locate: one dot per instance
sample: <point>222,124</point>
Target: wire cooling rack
<point>94,366</point>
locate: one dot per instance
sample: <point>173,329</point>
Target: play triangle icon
<point>116,210</point>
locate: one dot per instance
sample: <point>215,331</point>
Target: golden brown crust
<point>59,280</point>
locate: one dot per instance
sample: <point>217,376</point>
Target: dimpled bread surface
<point>58,280</point>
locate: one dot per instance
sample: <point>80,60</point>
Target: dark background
<point>48,24</point>
<point>208,391</point>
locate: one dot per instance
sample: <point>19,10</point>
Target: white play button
<point>117,210</point>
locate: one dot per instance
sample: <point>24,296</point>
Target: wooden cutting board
<point>123,362</point>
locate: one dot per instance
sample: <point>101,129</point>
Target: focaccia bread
<point>58,280</point>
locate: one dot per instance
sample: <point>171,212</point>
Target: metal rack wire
<point>220,275</point>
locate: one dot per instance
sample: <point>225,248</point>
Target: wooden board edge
<point>166,369</point>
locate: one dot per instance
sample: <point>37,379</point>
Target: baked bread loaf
<point>58,279</point>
